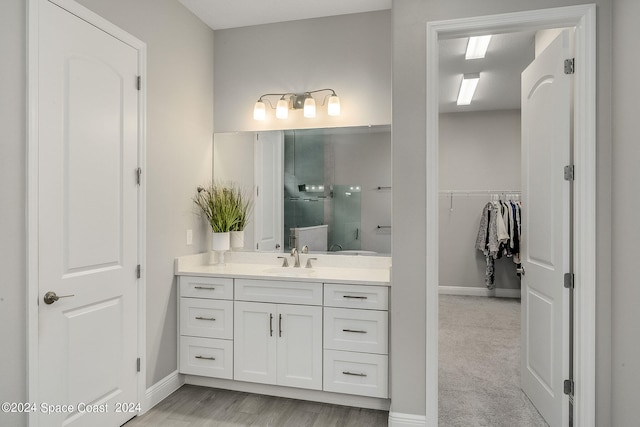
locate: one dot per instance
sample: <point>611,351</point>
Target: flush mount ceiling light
<point>294,101</point>
<point>467,88</point>
<point>477,47</point>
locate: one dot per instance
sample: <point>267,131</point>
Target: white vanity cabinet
<point>278,343</point>
<point>356,339</point>
<point>205,307</point>
<point>318,334</point>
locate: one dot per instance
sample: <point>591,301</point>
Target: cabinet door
<point>255,334</point>
<point>299,330</point>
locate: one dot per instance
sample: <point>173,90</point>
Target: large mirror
<point>328,189</point>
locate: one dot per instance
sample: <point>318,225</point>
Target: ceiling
<point>499,86</point>
<point>221,14</point>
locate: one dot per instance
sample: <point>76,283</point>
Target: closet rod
<point>479,191</point>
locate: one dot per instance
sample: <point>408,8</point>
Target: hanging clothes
<point>499,235</point>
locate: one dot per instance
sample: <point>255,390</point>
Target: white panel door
<point>300,346</point>
<point>269,202</point>
<point>254,342</point>
<point>87,220</point>
<point>545,250</point>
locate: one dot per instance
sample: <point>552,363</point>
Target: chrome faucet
<point>296,255</point>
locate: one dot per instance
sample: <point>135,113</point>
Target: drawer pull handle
<point>355,331</point>
<point>205,287</point>
<point>205,318</point>
<point>280,325</point>
<point>355,374</point>
<point>206,357</point>
<point>354,297</point>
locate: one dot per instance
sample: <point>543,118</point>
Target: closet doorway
<point>583,213</point>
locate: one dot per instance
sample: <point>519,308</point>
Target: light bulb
<point>333,106</point>
<point>309,107</point>
<point>259,111</point>
<point>282,109</point>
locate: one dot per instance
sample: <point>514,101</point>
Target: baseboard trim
<point>479,292</point>
<point>291,392</point>
<point>162,389</point>
<point>397,419</point>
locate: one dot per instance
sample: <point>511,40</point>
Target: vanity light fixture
<point>295,101</point>
<point>467,88</point>
<point>477,47</point>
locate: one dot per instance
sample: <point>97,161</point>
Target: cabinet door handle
<point>270,324</point>
<point>280,325</point>
<point>355,374</point>
<point>206,357</point>
<point>205,318</point>
<point>205,287</point>
<point>355,331</point>
<point>354,297</point>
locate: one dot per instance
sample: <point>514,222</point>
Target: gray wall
<point>478,151</point>
<point>626,205</point>
<point>13,315</point>
<point>349,53</point>
<point>409,135</point>
<point>179,132</point>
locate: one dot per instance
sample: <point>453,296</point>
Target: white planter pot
<point>220,241</point>
<point>237,239</point>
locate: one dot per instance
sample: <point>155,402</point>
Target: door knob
<point>520,270</point>
<point>51,297</point>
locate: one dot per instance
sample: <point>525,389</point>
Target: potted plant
<point>217,204</point>
<point>243,205</point>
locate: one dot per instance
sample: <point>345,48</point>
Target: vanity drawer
<point>207,357</point>
<point>206,318</point>
<point>279,292</point>
<point>365,331</point>
<point>206,287</point>
<point>356,373</point>
<point>356,296</point>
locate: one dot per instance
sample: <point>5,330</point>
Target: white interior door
<point>269,202</point>
<point>87,221</point>
<point>545,250</point>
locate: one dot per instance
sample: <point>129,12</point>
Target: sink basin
<point>290,271</point>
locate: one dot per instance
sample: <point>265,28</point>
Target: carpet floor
<point>479,364</point>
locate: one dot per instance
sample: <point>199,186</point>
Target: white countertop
<point>369,270</point>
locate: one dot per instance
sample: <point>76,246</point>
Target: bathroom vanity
<point>318,333</point>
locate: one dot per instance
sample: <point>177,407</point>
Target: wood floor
<point>193,406</point>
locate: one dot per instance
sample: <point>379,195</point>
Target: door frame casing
<point>583,18</point>
<point>32,157</point>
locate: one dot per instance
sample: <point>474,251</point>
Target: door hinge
<point>569,172</point>
<point>569,66</point>
<point>139,82</point>
<point>138,175</point>
<point>569,280</point>
<point>568,386</point>
<point>138,271</point>
<point>138,364</point>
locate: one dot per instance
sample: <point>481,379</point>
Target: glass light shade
<point>259,111</point>
<point>310,107</point>
<point>333,105</point>
<point>282,109</point>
